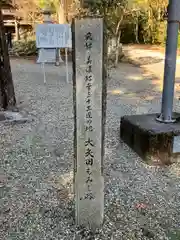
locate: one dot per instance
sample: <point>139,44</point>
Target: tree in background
<point>127,21</point>
<point>113,12</point>
<point>60,8</point>
<point>156,10</point>
<point>139,21</point>
<point>7,94</point>
<point>132,21</point>
<point>149,16</point>
<point>28,10</point>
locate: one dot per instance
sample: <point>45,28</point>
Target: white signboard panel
<point>53,36</point>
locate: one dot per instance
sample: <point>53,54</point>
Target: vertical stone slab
<point>89,109</point>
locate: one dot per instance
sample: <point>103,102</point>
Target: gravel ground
<point>36,200</point>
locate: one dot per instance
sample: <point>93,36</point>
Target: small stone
<point>147,233</point>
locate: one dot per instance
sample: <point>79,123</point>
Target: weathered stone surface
<point>89,93</point>
<point>153,141</point>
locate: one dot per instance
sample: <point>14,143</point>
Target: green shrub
<point>24,48</point>
<point>160,35</point>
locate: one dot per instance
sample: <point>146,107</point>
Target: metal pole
<point>67,72</point>
<point>170,63</point>
<point>57,57</point>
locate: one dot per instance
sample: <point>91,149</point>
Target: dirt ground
<point>36,171</point>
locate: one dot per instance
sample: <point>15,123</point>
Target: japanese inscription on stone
<point>88,86</point>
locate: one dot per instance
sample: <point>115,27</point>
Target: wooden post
<point>7,94</point>
<point>89,108</point>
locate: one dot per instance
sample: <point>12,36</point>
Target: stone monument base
<point>156,143</point>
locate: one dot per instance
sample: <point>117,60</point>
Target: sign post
<point>67,72</point>
<point>52,37</point>
<point>46,55</point>
<point>89,108</point>
<point>44,72</point>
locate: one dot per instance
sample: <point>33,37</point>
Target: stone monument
<point>89,107</point>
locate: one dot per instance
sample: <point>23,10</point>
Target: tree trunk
<point>61,14</point>
<point>7,94</point>
<point>17,31</point>
<point>117,48</point>
<point>137,28</point>
<point>136,32</point>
